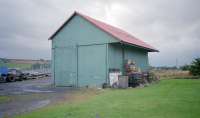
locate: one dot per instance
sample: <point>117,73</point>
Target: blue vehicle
<point>11,75</point>
<point>3,73</point>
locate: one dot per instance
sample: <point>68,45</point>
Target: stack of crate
<point>135,76</point>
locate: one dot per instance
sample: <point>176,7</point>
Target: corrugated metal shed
<point>84,51</point>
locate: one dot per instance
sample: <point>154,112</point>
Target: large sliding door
<point>65,66</point>
<point>91,65</point>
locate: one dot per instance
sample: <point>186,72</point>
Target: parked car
<point>11,75</point>
<point>14,75</point>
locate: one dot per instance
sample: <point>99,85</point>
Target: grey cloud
<point>172,26</point>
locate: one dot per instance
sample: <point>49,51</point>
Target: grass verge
<point>16,65</point>
<point>174,98</point>
<point>4,99</point>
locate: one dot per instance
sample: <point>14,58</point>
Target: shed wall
<point>119,53</point>
<point>78,32</point>
<point>115,56</point>
<point>92,69</point>
<point>140,56</point>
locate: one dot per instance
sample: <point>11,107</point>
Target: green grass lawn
<point>4,99</point>
<point>175,98</point>
<point>16,65</point>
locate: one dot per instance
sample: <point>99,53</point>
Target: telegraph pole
<point>176,63</point>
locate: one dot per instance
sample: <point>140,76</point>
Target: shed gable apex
<point>117,34</point>
<point>71,18</point>
<point>62,26</point>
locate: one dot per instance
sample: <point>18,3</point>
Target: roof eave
<point>61,27</point>
<point>148,49</point>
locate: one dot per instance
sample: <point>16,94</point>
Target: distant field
<point>4,99</point>
<point>16,65</point>
<point>171,98</point>
<point>171,73</point>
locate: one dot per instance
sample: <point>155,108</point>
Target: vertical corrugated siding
<point>91,65</point>
<point>116,56</point>
<point>76,33</point>
<point>79,36</point>
<point>138,55</point>
<point>52,64</point>
<point>65,66</point>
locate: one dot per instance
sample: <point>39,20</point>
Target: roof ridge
<point>118,30</point>
<point>114,31</point>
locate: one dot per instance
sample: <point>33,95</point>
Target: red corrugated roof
<point>115,32</point>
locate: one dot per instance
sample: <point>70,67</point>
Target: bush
<point>152,77</point>
<point>195,67</point>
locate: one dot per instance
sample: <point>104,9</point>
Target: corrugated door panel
<point>91,65</point>
<point>65,66</point>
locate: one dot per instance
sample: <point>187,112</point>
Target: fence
<point>39,68</point>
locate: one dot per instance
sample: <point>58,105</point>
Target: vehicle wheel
<point>2,79</point>
<point>11,79</point>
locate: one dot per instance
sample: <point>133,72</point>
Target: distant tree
<point>42,60</point>
<point>4,60</point>
<point>185,67</point>
<point>173,68</point>
<point>195,67</point>
<point>167,68</point>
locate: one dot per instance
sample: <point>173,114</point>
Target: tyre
<point>11,79</point>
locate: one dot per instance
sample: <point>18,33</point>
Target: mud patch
<point>30,95</point>
<point>38,104</point>
<point>36,91</point>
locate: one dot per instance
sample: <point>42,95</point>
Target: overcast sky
<point>172,26</point>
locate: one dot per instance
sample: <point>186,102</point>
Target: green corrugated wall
<point>115,55</point>
<point>77,33</point>
<point>92,65</point>
<point>140,56</point>
<point>82,55</point>
<point>119,53</point>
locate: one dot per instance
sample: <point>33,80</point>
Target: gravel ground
<point>29,95</point>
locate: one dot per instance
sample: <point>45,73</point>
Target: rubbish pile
<point>132,76</point>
